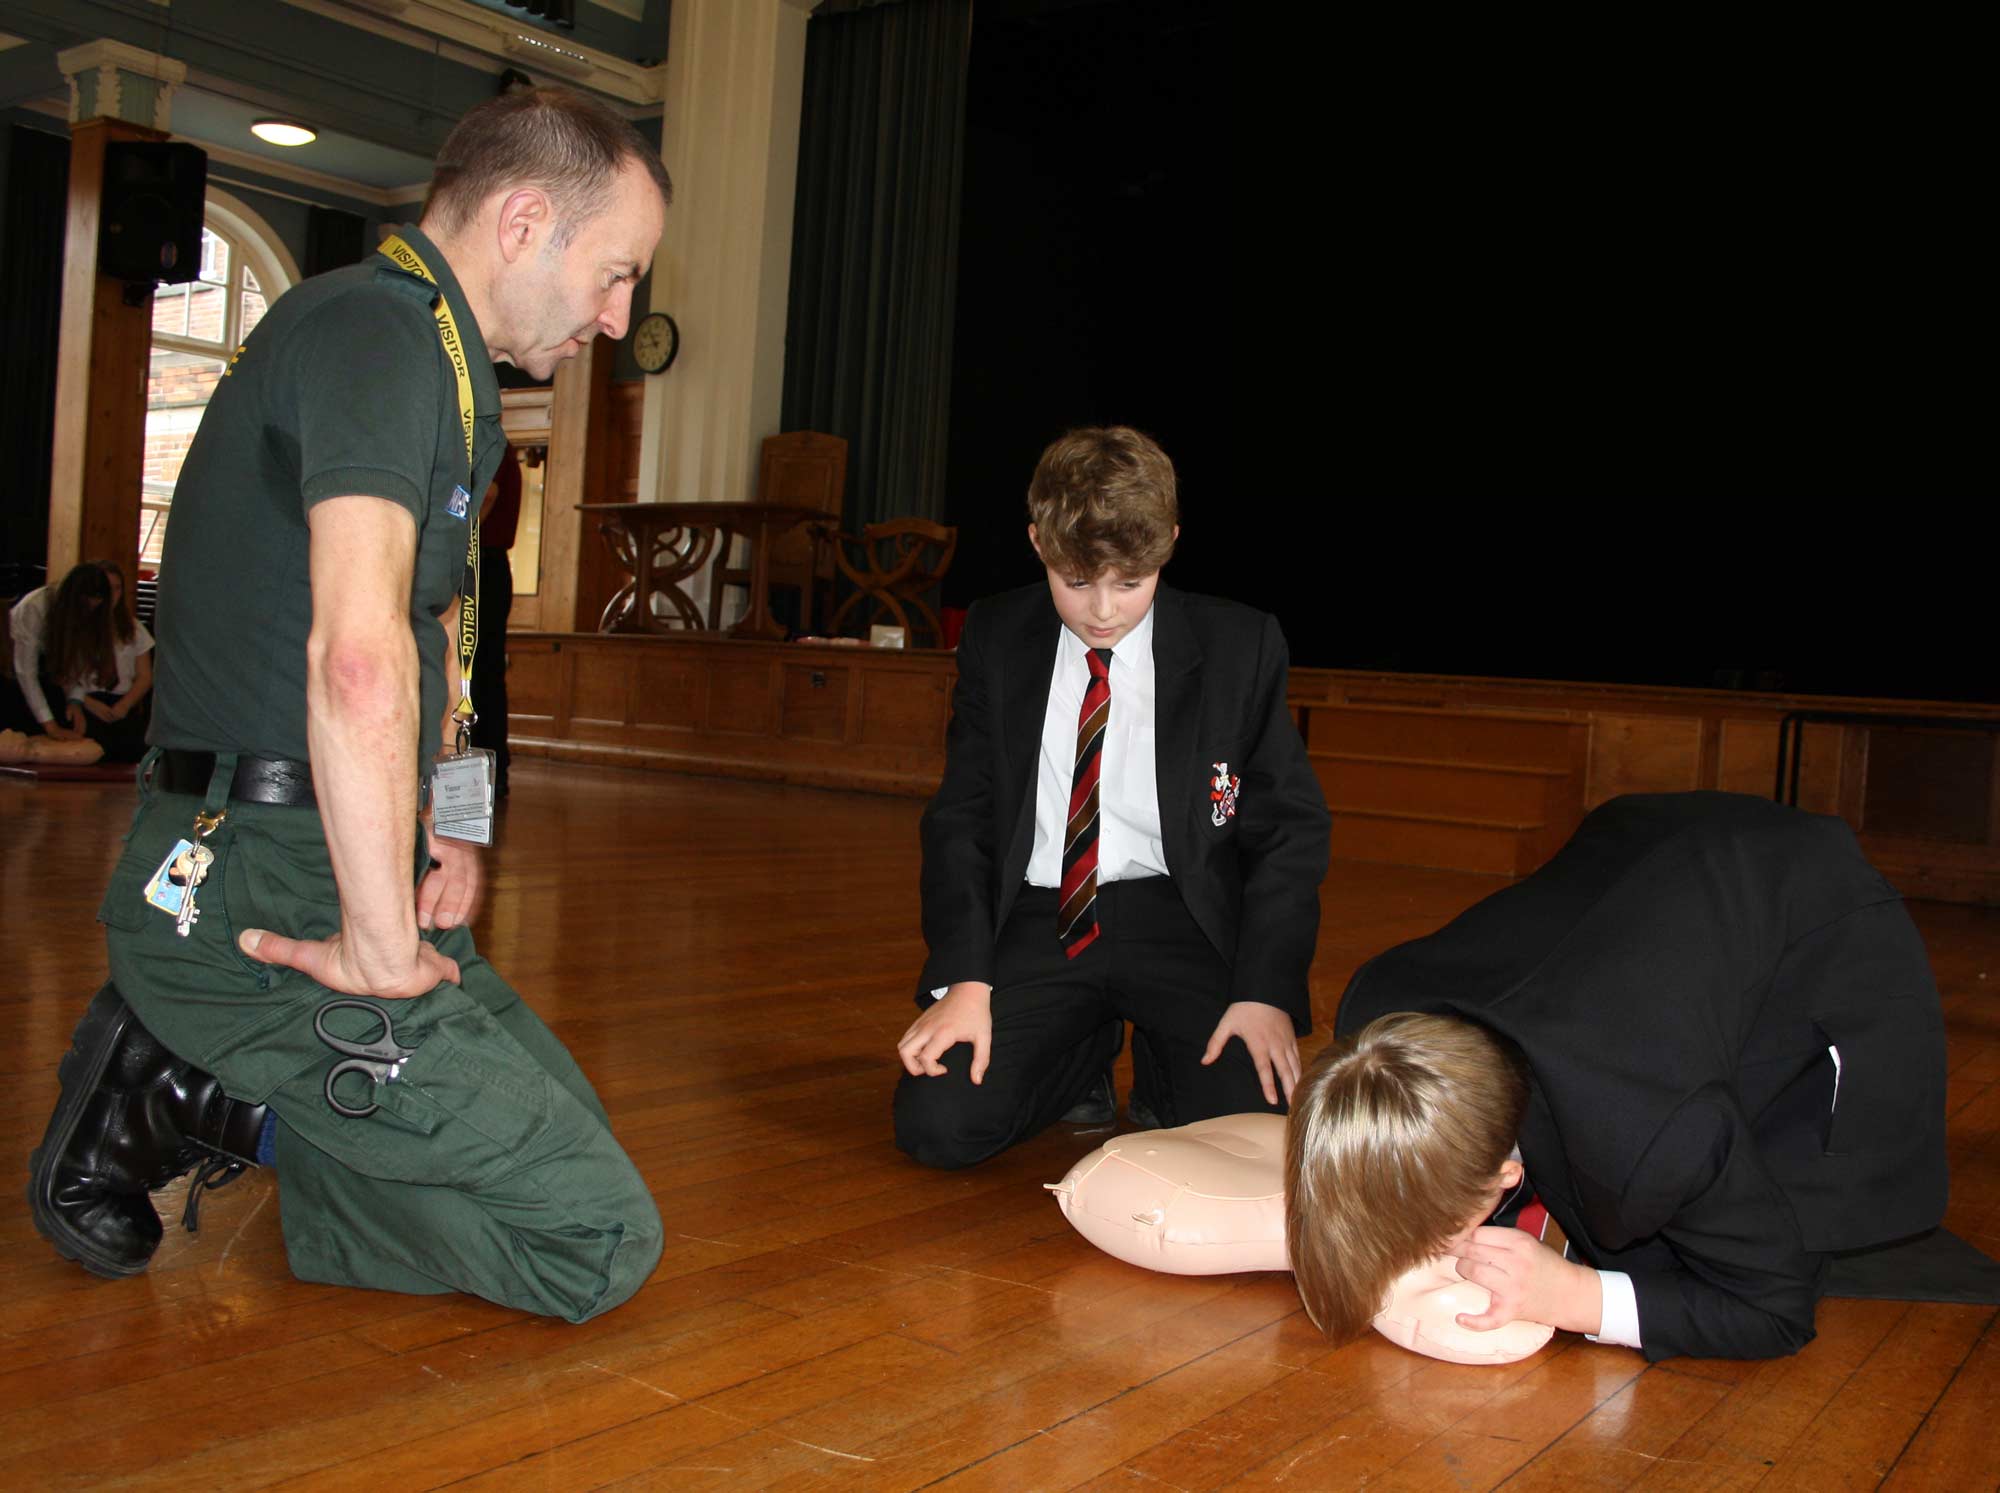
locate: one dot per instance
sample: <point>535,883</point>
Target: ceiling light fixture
<point>283,132</point>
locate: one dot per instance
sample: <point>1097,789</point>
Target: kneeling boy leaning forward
<point>1705,1036</point>
<point>1128,830</point>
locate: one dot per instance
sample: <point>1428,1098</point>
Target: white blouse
<point>29,624</point>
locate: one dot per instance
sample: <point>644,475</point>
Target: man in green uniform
<point>282,906</point>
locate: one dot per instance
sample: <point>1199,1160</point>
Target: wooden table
<point>663,544</point>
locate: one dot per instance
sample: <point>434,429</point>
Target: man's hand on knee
<point>449,893</point>
<point>1267,1033</point>
<point>332,963</point>
<point>964,1013</point>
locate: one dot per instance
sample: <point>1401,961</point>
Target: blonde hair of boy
<point>1104,498</point>
<point>1394,1142</point>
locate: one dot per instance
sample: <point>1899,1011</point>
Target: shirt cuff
<point>938,994</point>
<point>1620,1322</point>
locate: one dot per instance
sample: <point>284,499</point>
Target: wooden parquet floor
<point>730,962</point>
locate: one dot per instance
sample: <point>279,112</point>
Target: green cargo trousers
<point>489,1166</point>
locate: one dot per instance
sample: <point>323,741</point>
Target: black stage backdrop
<point>31,258</point>
<point>1478,359</point>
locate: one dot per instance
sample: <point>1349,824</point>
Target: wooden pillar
<point>730,139</point>
<point>598,576</point>
<point>576,425</point>
<point>116,93</point>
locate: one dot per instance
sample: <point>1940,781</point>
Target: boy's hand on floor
<point>1267,1032</point>
<point>964,1013</point>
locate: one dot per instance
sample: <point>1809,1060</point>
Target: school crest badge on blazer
<point>1222,790</point>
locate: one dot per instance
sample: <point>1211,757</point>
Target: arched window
<point>196,329</point>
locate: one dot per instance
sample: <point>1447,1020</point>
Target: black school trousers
<point>1058,1022</point>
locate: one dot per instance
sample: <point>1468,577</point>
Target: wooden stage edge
<point>868,719</point>
<point>1486,775</point>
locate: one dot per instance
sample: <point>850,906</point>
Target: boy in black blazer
<point>1127,830</point>
<point>1707,1031</point>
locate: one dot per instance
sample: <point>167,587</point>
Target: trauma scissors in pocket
<point>380,1058</point>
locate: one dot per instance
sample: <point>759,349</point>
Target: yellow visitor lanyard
<point>399,253</point>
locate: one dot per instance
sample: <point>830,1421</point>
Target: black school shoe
<point>1098,1106</point>
<point>131,1117</point>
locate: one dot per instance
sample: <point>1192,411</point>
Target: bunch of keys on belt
<point>172,887</point>
<point>380,1059</point>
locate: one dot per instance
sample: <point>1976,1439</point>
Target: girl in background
<point>83,665</point>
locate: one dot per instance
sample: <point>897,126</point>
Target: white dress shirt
<point>1128,794</point>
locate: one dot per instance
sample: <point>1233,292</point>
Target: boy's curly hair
<point>1104,498</point>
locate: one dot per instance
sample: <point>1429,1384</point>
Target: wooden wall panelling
<point>1659,738</point>
<point>1497,737</point>
<point>1708,767</point>
<point>600,685</point>
<point>534,688</point>
<point>876,721</point>
<point>744,696</point>
<point>698,703</point>
<point>815,701</point>
<point>1747,756</point>
<point>1432,782</point>
<point>538,688</point>
<point>902,715</point>
<point>1993,801</point>
<point>1642,754</point>
<point>668,692</point>
<point>1851,789</point>
<point>1935,784</point>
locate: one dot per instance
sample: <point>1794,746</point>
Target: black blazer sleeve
<point>957,831</point>
<point>1734,1279</point>
<point>1281,846</point>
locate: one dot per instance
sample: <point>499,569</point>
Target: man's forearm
<point>361,726</point>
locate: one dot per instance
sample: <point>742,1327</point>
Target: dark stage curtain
<point>31,262</point>
<point>875,246</point>
<point>334,240</point>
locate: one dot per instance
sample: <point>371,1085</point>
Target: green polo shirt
<point>343,389</point>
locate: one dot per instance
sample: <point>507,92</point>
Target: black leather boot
<point>131,1117</point>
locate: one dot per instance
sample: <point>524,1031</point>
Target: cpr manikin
<point>1208,1199</point>
<point>15,747</point>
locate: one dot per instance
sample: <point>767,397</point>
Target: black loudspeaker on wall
<point>152,211</point>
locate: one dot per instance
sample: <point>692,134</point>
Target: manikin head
<point>1103,515</point>
<point>548,207</point>
<point>1400,1144</point>
<point>1422,1314</point>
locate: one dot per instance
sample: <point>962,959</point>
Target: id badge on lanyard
<point>462,795</point>
<point>461,779</point>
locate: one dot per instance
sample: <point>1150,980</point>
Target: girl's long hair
<point>79,647</point>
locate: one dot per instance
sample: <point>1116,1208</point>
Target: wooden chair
<point>905,558</point>
<point>807,468</point>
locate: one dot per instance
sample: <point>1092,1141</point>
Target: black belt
<point>258,780</point>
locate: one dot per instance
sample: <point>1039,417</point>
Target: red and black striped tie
<point>1076,920</point>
